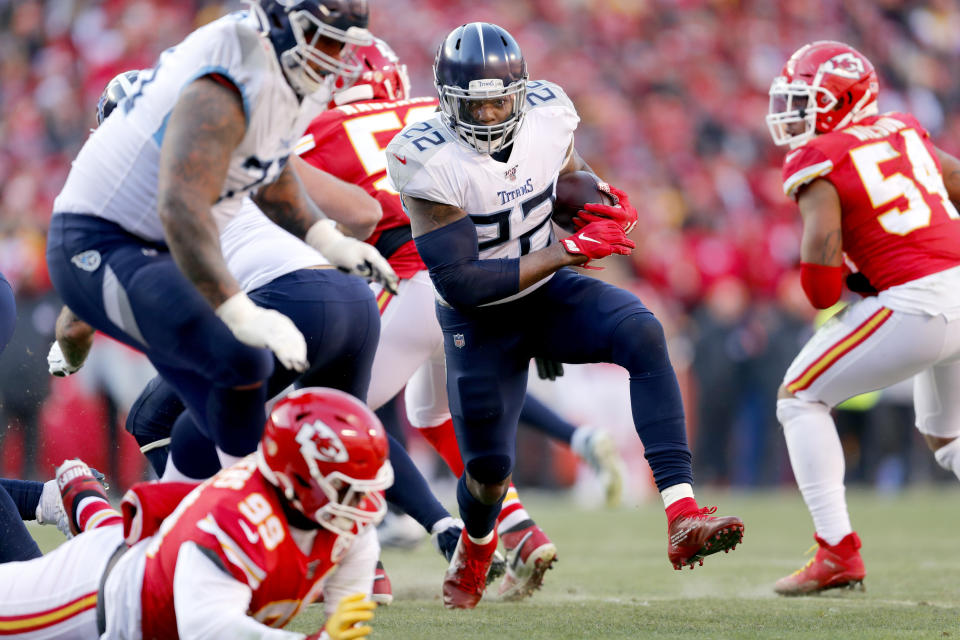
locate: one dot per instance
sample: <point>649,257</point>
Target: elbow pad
<point>822,284</point>
<point>461,278</point>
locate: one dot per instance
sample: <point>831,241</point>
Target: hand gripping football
<point>574,190</point>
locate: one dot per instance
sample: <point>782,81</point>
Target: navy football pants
<point>573,319</point>
<point>338,317</point>
<point>132,290</point>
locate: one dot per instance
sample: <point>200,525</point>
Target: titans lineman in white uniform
<point>133,247</point>
<point>477,181</point>
<point>337,315</point>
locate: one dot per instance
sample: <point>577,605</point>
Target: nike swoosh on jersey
<point>402,159</point>
<point>252,536</point>
<point>588,238</point>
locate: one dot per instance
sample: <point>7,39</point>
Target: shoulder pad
<point>413,147</point>
<point>251,46</point>
<point>804,165</point>
<point>541,93</point>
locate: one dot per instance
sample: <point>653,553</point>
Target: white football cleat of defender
<point>598,450</point>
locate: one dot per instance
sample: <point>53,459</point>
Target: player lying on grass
<point>234,557</point>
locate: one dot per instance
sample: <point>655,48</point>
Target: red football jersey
<point>350,143</point>
<point>898,222</point>
<point>237,516</point>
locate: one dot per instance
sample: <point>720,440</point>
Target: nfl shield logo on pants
<point>458,340</point>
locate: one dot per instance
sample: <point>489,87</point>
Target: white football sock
<point>227,460</point>
<point>676,492</point>
<point>481,541</point>
<point>172,474</point>
<point>817,460</point>
<point>948,456</point>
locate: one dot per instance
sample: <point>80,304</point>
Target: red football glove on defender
<point>598,240</point>
<point>622,213</point>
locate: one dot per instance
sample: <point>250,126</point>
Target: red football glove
<point>598,240</point>
<point>622,213</point>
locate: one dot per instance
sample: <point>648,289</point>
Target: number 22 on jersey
<point>884,190</point>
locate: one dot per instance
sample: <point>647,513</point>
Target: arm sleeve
<point>354,573</point>
<point>211,604</point>
<point>461,278</point>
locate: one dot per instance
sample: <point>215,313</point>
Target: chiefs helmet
<point>296,27</point>
<point>824,86</point>
<point>117,89</point>
<point>382,76</point>
<point>328,453</point>
<point>480,62</point>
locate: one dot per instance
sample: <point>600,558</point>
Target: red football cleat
<point>693,536</point>
<point>76,481</point>
<point>382,590</point>
<point>834,566</point>
<point>529,554</point>
<point>466,577</point>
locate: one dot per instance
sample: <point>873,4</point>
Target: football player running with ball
<point>349,141</point>
<point>877,200</point>
<point>476,180</point>
<point>235,557</point>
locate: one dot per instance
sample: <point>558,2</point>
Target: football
<point>574,190</point>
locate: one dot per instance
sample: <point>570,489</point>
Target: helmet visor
<point>487,114</point>
<point>792,114</point>
<point>353,505</point>
<point>323,50</point>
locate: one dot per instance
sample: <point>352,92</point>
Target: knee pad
<point>790,408</point>
<point>490,469</point>
<point>153,413</point>
<point>948,456</point>
<point>639,344</point>
<point>242,365</point>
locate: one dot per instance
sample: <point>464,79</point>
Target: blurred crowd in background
<point>672,96</point>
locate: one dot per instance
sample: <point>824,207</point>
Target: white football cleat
<point>400,531</point>
<point>598,450</point>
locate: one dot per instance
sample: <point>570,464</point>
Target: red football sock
<point>512,513</point>
<point>443,438</point>
<point>682,507</point>
<point>94,512</point>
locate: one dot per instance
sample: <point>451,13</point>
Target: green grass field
<point>613,579</point>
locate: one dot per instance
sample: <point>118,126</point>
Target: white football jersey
<point>257,251</point>
<point>509,202</point>
<point>115,174</point>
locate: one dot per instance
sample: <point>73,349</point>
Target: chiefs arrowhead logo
<point>319,442</point>
<point>845,65</point>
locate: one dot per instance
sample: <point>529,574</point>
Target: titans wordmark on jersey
<point>509,202</point>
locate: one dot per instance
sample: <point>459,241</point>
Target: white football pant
<point>410,353</point>
<point>863,348</point>
<point>55,596</point>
